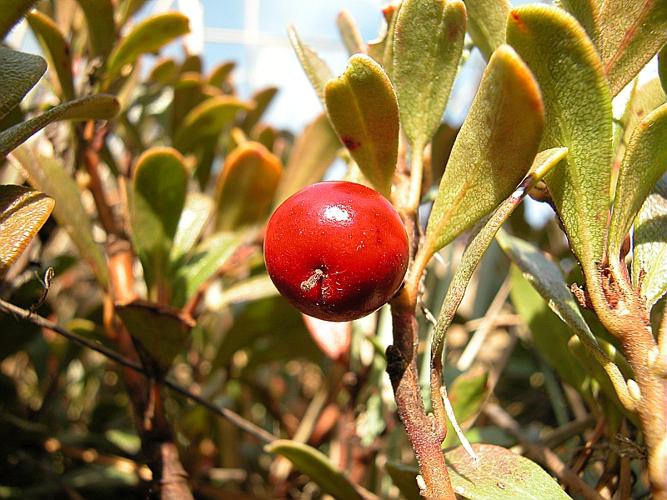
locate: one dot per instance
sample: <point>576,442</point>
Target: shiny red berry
<point>336,250</point>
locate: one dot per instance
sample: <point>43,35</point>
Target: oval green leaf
<point>220,73</point>
<point>196,213</point>
<point>631,32</point>
<point>362,107</point>
<point>493,150</point>
<point>207,120</point>
<point>467,394</point>
<point>317,466</point>
<point>57,51</point>
<point>644,164</point>
<point>22,212</point>
<point>578,116</point>
<point>246,186</point>
<point>157,196</point>
<point>47,174</point>
<point>487,21</point>
<point>260,102</point>
<point>101,25</point>
<point>150,35</point>
<point>499,474</point>
<point>11,12</point>
<point>649,263</point>
<point>316,69</point>
<point>20,73</point>
<point>94,107</point>
<point>428,42</point>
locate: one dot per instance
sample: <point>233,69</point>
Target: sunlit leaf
<point>57,51</point>
<point>428,41</point>
<point>578,116</point>
<point>156,196</point>
<point>362,107</point>
<point>196,213</point>
<point>649,265</point>
<point>11,11</point>
<point>382,49</point>
<point>206,120</point>
<point>467,394</point>
<point>192,63</point>
<point>47,174</point>
<point>499,474</point>
<point>94,107</point>
<point>587,13</point>
<point>260,102</point>
<point>631,32</point>
<point>101,25</point>
<point>20,73</point>
<point>164,72</point>
<point>128,8</point>
<point>644,164</point>
<point>349,33</point>
<point>188,93</point>
<point>162,332</point>
<point>254,288</point>
<point>316,69</point>
<point>150,35</point>
<point>313,152</point>
<point>23,212</point>
<point>487,21</point>
<point>493,150</point>
<point>317,466</point>
<point>246,186</point>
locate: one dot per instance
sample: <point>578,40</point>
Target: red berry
<point>336,250</point>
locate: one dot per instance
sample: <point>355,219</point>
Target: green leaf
<point>47,174</point>
<point>157,197</point>
<point>587,13</point>
<point>94,107</point>
<point>220,73</point>
<point>662,67</point>
<point>487,21</point>
<point>22,212</point>
<point>312,154</point>
<point>349,33</point>
<point>317,466</point>
<point>11,12</point>
<point>404,478</point>
<point>316,69</point>
<point>164,72</point>
<point>382,49</point>
<point>150,35</point>
<point>163,332</point>
<point>205,261</point>
<point>631,33</point>
<point>57,51</point>
<point>428,41</point>
<point>644,164</point>
<point>499,474</point>
<point>649,264</point>
<point>493,150</point>
<point>194,217</point>
<point>20,73</point>
<point>467,394</point>
<point>549,282</point>
<point>246,185</point>
<point>260,102</point>
<point>101,25</point>
<point>578,116</point>
<point>207,120</point>
<point>363,110</point>
<point>249,290</point>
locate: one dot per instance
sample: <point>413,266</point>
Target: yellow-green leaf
<point>631,33</point>
<point>246,186</point>
<point>362,107</point>
<point>207,120</point>
<point>94,107</point>
<point>101,25</point>
<point>157,196</point>
<point>57,51</point>
<point>313,152</point>
<point>578,116</point>
<point>163,332</point>
<point>20,73</point>
<point>164,72</point>
<point>11,12</point>
<point>150,35</point>
<point>316,69</point>
<point>22,212</point>
<point>644,164</point>
<point>220,73</point>
<point>587,13</point>
<point>493,150</point>
<point>487,21</point>
<point>428,41</point>
<point>349,33</point>
<point>317,466</point>
<point>260,102</point>
<point>47,174</point>
<point>194,217</point>
<point>662,67</point>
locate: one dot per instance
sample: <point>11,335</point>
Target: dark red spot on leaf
<point>350,143</point>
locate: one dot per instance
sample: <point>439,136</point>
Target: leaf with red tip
<point>22,212</point>
<point>363,110</point>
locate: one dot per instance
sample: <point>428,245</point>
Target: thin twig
<point>233,417</point>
